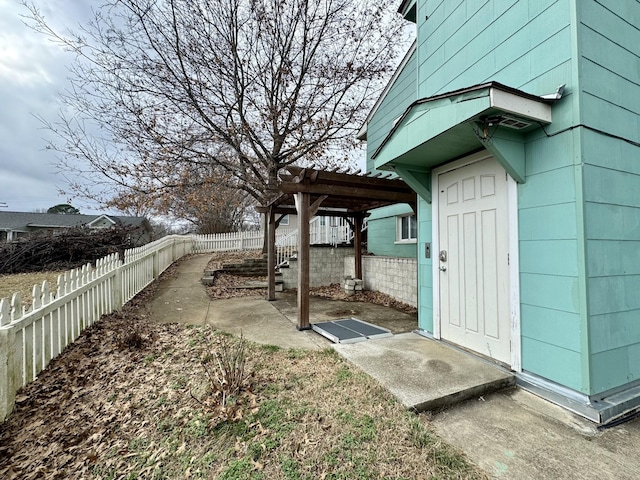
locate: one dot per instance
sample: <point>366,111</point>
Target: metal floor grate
<point>349,330</point>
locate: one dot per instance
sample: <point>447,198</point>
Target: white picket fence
<point>31,337</point>
<point>227,242</point>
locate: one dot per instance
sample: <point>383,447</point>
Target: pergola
<point>309,192</point>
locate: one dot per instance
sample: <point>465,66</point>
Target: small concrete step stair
<point>249,267</point>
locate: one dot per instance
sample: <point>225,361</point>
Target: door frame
<point>514,256</point>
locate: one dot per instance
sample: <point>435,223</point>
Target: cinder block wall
<point>394,276</point>
<point>326,266</point>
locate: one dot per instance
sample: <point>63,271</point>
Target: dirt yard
<point>132,399</point>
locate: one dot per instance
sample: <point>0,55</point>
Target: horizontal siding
<point>548,188</point>
<point>513,42</point>
<point>549,222</point>
<point>610,85</point>
<point>610,49</point>
<point>381,237</point>
<point>425,266</point>
<point>613,368</point>
<point>611,153</point>
<point>549,257</point>
<point>555,363</point>
<point>614,294</point>
<point>400,95</point>
<point>549,291</point>
<point>553,327</point>
<point>612,331</point>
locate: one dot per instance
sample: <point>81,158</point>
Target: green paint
<point>578,192</point>
<point>419,181</point>
<point>550,291</point>
<point>555,363</point>
<point>549,257</point>
<point>554,327</point>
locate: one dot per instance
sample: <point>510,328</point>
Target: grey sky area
<point>32,73</point>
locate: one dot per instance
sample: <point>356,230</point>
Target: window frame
<point>399,230</point>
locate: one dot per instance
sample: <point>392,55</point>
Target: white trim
<point>97,219</point>
<point>514,253</point>
<point>435,251</point>
<point>514,274</point>
<point>523,107</point>
<point>410,239</point>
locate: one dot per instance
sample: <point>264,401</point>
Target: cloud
<point>33,71</point>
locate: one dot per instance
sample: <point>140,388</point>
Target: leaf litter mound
<point>133,399</point>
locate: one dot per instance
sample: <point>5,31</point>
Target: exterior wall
<point>326,266</point>
<point>529,46</point>
<point>396,277</point>
<point>401,94</point>
<point>381,233</point>
<point>381,230</point>
<point>525,45</point>
<point>610,94</point>
<point>425,265</point>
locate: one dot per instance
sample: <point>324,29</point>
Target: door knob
<point>443,268</point>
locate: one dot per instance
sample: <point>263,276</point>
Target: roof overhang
<point>441,128</point>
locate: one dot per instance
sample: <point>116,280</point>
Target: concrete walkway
<point>511,434</point>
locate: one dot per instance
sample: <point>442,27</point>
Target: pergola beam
<point>308,192</point>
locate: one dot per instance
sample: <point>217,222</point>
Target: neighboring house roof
<point>23,221</point>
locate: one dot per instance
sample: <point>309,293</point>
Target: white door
<point>474,258</point>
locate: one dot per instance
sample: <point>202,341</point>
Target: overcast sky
<point>32,72</point>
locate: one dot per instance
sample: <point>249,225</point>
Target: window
<point>285,221</point>
<point>406,229</point>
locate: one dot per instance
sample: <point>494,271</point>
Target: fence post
<point>7,371</point>
<point>156,265</point>
<point>116,291</point>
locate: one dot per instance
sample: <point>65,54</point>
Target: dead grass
<point>107,408</point>
<point>24,282</point>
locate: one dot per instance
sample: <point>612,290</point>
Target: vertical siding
<point>610,83</point>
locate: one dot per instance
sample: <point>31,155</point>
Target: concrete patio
<point>510,433</point>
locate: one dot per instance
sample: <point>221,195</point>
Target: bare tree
<point>242,88</point>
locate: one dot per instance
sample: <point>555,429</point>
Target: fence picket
<point>80,297</point>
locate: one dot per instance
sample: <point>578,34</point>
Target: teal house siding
<point>381,233</point>
<point>517,43</point>
<point>381,230</point>
<point>610,92</point>
<point>425,266</point>
<point>577,196</point>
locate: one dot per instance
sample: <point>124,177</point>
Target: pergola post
<point>271,254</point>
<point>303,206</point>
<point>357,244</point>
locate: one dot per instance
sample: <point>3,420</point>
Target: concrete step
<point>425,374</point>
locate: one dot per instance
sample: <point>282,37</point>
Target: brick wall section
<point>397,277</point>
<point>326,266</point>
